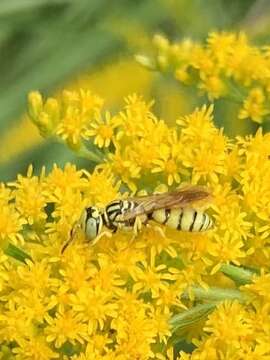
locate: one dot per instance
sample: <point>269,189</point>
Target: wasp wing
<point>183,197</point>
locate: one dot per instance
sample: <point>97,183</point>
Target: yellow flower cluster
<point>227,65</point>
<point>136,300</point>
<point>69,117</point>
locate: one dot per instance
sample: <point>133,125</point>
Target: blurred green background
<point>48,45</point>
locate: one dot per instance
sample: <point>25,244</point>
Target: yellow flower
<point>229,249</point>
<point>198,126</point>
<point>101,187</point>
<point>134,329</point>
<point>124,257</point>
<point>151,278</point>
<point>213,86</point>
<point>65,203</point>
<point>72,127</point>
<point>201,60</point>
<point>97,348</point>
<point>10,225</point>
<point>76,270</point>
<point>161,325</point>
<point>120,164</point>
<point>94,316</point>
<point>5,194</point>
<point>65,326</point>
<point>69,116</point>
<point>62,180</point>
<point>103,129</point>
<point>144,152</point>
<point>229,324</point>
<point>254,106</point>
<point>226,66</point>
<point>158,240</point>
<point>14,323</point>
<point>38,277</point>
<point>135,117</point>
<point>29,197</point>
<point>34,348</point>
<point>230,218</point>
<point>221,46</point>
<point>168,163</point>
<point>260,287</point>
<point>4,275</point>
<point>79,109</point>
<point>131,296</point>
<point>205,162</point>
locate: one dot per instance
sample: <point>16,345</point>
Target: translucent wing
<point>183,197</point>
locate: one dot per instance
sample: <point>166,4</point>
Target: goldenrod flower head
<point>102,186</point>
<point>103,129</point>
<point>132,297</point>
<point>168,162</point>
<point>65,326</point>
<point>254,107</point>
<point>213,86</point>
<point>30,199</point>
<point>70,116</point>
<point>11,224</point>
<point>225,66</point>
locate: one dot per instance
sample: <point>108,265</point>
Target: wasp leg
<point>137,227</point>
<point>103,233</point>
<point>160,231</point>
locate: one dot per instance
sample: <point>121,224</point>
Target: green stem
<point>239,275</point>
<point>95,156</point>
<point>234,92</point>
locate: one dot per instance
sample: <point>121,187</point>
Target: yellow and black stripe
<point>114,211</point>
<point>183,219</point>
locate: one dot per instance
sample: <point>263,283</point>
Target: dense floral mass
<point>226,66</point>
<point>152,297</point>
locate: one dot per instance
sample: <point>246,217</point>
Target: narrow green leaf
<point>18,254</point>
<point>190,316</point>
<point>216,294</point>
<point>182,321</point>
<point>239,275</point>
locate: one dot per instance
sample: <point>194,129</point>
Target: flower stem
<point>95,156</point>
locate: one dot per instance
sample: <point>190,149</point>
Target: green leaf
<point>216,294</point>
<point>240,275</point>
<point>18,254</point>
<point>191,316</point>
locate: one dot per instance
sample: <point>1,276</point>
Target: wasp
<point>175,209</point>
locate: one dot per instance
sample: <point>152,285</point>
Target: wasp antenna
<point>65,246</point>
<point>72,232</point>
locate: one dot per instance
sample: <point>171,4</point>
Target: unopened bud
<point>35,104</point>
